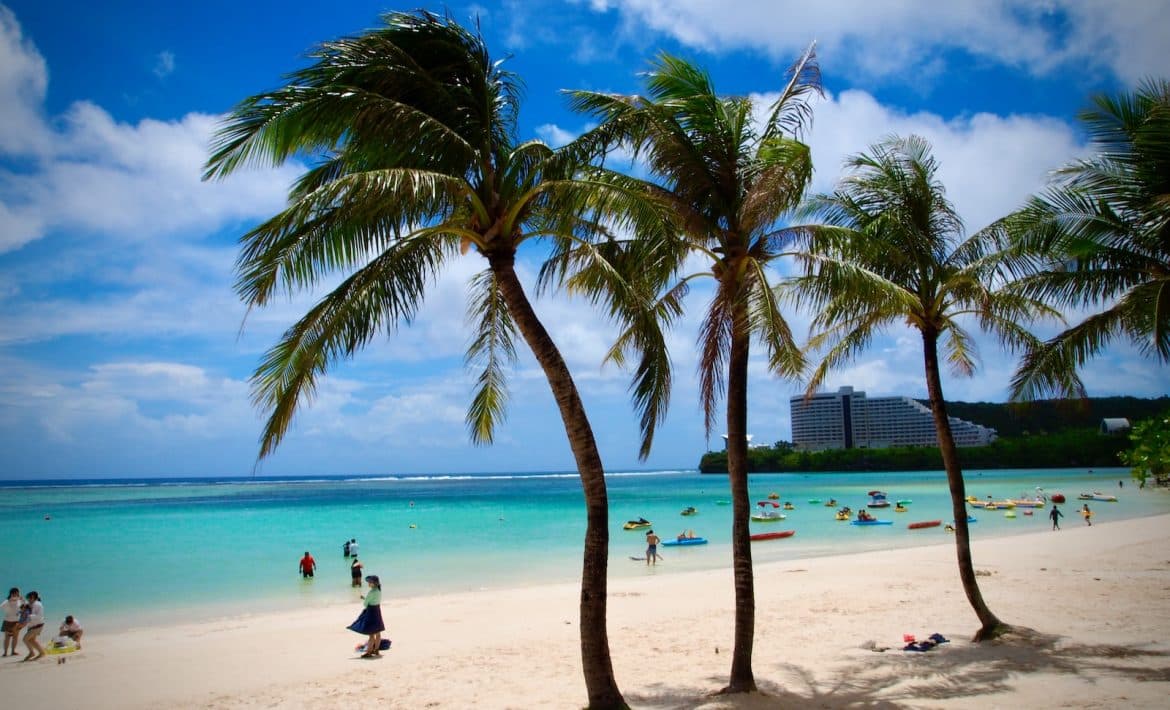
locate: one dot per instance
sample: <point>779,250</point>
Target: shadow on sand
<point>896,679</point>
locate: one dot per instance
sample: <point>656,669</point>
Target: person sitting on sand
<point>71,630</point>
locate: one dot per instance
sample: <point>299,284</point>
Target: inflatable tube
<point>924,524</point>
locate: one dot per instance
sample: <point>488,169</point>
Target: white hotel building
<point>847,419</point>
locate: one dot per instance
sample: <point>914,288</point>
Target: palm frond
<point>377,297</point>
<point>492,349</point>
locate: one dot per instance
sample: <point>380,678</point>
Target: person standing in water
<point>652,541</point>
<point>308,566</point>
<point>355,573</point>
<point>1056,515</point>
<point>369,622</point>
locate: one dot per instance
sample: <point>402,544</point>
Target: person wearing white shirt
<point>353,548</point>
<point>36,622</point>
<point>11,608</point>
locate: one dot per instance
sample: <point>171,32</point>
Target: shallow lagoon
<point>139,552</point>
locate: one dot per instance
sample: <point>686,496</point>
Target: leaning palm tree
<point>1101,234</point>
<point>888,249</point>
<point>411,129</point>
<point>727,180</point>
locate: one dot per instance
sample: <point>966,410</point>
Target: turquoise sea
<point>124,552</point>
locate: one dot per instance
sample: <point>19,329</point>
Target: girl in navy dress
<point>369,622</point>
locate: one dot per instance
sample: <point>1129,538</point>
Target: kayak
<point>925,524</point>
<point>903,502</point>
<point>774,535</point>
<point>873,522</point>
<point>685,541</point>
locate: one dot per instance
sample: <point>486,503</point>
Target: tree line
<point>410,133</point>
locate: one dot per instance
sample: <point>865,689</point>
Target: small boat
<point>1058,498</point>
<point>773,535</point>
<point>689,510</point>
<point>1027,502</point>
<point>636,524</point>
<point>877,499</point>
<point>766,514</point>
<point>816,501</point>
<point>843,516</point>
<point>1105,497</point>
<point>830,503</point>
<point>904,501</point>
<point>899,508</point>
<point>924,524</point>
<point>684,541</point>
<point>773,496</point>
<point>722,502</point>
<point>789,506</point>
<point>873,521</point>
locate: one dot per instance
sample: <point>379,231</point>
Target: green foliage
<point>1150,455</point>
<point>1048,416</point>
<point>1068,448</point>
<point>1099,238</point>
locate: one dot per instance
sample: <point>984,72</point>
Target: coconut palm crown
<point>1099,238</point>
<point>889,250</point>
<point>726,176</point>
<point>410,131</point>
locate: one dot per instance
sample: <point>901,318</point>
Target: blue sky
<point>120,336</point>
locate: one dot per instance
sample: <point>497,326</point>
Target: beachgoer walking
<point>71,629</point>
<point>36,622</point>
<point>369,622</point>
<point>652,541</point>
<point>1056,515</point>
<point>11,608</point>
<point>1087,514</point>
<point>355,573</point>
<point>353,547</point>
<point>308,566</point>
<point>345,549</point>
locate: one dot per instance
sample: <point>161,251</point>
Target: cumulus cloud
<point>883,39</point>
<point>24,79</point>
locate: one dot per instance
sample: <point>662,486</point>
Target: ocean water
<point>116,553</point>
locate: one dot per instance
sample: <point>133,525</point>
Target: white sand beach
<point>1099,598</point>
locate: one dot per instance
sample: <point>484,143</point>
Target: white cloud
<point>989,164</point>
<point>880,39</point>
<point>164,64</point>
<point>24,79</point>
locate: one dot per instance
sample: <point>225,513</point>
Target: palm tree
<point>411,129</point>
<point>1101,235</point>
<point>727,180</point>
<point>888,251</point>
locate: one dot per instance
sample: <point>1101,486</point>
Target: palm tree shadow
<point>895,679</point>
<point>970,670</point>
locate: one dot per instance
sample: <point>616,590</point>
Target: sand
<point>1097,597</point>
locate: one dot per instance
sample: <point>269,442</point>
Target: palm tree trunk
<point>595,658</point>
<point>990,625</point>
<point>742,678</point>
